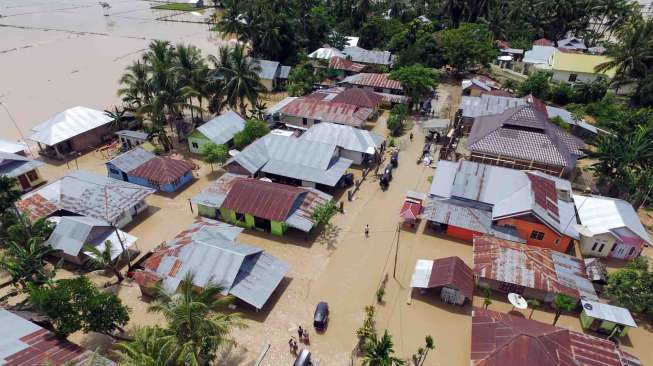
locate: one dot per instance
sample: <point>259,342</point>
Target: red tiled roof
<point>162,170</point>
<point>543,42</point>
<point>452,271</point>
<point>340,63</point>
<point>327,111</point>
<point>358,97</point>
<point>267,200</point>
<point>36,207</point>
<point>507,340</point>
<point>527,266</point>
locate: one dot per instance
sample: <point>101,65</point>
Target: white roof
<point>346,137</point>
<point>615,314</point>
<point>12,147</point>
<point>542,55</point>
<point>222,128</point>
<point>601,215</point>
<point>422,273</point>
<point>352,41</point>
<point>325,53</point>
<point>68,124</point>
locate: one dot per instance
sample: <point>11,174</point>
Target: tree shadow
<point>232,356</point>
<point>432,297</point>
<point>250,313</point>
<point>328,236</point>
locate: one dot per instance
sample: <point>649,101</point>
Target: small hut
<point>605,318</point>
<point>450,275</point>
<point>412,209</point>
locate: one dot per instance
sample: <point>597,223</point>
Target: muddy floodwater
<point>57,54</point>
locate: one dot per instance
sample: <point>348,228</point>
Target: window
<point>601,247</point>
<point>114,171</point>
<point>632,251</point>
<point>557,241</point>
<point>195,145</point>
<point>32,175</point>
<point>316,121</point>
<point>304,121</point>
<point>594,246</point>
<point>573,77</point>
<point>614,247</point>
<point>537,235</point>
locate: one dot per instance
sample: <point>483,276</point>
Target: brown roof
<point>531,267</point>
<point>327,111</point>
<point>499,92</point>
<point>453,272</point>
<point>543,42</point>
<point>162,170</point>
<point>358,97</point>
<point>507,340</point>
<point>373,80</point>
<point>340,63</point>
<point>267,200</point>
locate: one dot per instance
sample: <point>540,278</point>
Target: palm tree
<point>135,90</point>
<point>26,264</point>
<point>241,81</point>
<point>151,346</point>
<point>116,116</point>
<point>487,294</point>
<point>562,303</point>
<point>534,304</point>
<point>190,68</point>
<point>196,323</point>
<point>102,259</point>
<point>231,21</point>
<point>379,352</point>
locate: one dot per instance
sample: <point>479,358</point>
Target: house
<point>509,340</point>
<point>477,86</point>
<point>208,249</point>
<point>572,44</point>
<point>522,206</point>
<point>26,344</point>
<point>535,273</point>
<point>450,275</point>
<point>130,139</point>
<point>259,204</point>
<point>71,233</point>
<point>24,169</point>
<point>610,227</point>
<point>362,98</point>
<point>142,167</point>
<point>523,137</point>
<point>304,112</point>
<point>272,73</point>
<point>86,194</point>
<point>411,210</point>
<point>369,57</point>
<point>538,58</point>
<point>572,67</point>
<point>326,52</point>
<point>605,318</point>
<point>346,66</point>
<point>287,159</point>
<point>13,147</point>
<point>118,167</point>
<point>354,144</point>
<point>73,130</point>
<point>272,115</point>
<point>378,83</point>
<point>219,130</point>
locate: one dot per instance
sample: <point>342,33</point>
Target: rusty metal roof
<point>162,170</point>
<point>359,97</point>
<point>453,272</point>
<point>327,111</point>
<point>532,267</point>
<point>507,340</point>
<point>341,63</point>
<point>373,80</point>
<point>267,200</point>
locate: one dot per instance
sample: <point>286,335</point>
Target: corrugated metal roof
<point>208,250</point>
<point>27,344</point>
<point>162,170</point>
<point>569,119</point>
<point>216,192</point>
<point>358,97</point>
<point>12,147</point>
<point>222,128</point>
<point>284,72</point>
<point>269,69</point>
<point>327,111</point>
<point>450,271</point>
<point>487,104</point>
<point>13,165</point>
<point>341,63</point>
<point>329,176</point>
<point>604,214</point>
<point>279,106</point>
<point>68,124</point>
<point>140,135</point>
<point>131,159</point>
<point>83,193</point>
<point>541,55</point>
<point>346,137</point>
<point>614,314</point>
<point>325,53</point>
<point>532,267</point>
<point>508,340</point>
<point>358,54</point>
<point>267,200</point>
<point>373,80</point>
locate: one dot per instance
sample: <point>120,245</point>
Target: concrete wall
<point>604,245</point>
<point>197,139</point>
<point>268,84</point>
<point>563,77</point>
<point>206,211</point>
<point>551,239</point>
<point>278,228</point>
<point>168,187</point>
<point>90,139</point>
<point>463,234</point>
<point>33,181</point>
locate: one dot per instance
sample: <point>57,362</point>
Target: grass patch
<point>176,7</point>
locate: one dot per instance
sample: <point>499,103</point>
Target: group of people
<point>302,335</point>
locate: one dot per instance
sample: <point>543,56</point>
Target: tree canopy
<point>214,154</point>
<point>254,129</point>
<point>632,286</point>
<point>468,46</point>
<point>418,81</point>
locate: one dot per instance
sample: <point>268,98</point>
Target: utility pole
<point>394,270</point>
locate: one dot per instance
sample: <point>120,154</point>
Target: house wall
<point>90,139</point>
<point>278,228</point>
<point>505,287</point>
<point>185,179</point>
<point>604,245</point>
<point>130,142</point>
<point>250,223</point>
<point>268,84</point>
<point>196,141</point>
<point>35,180</point>
<point>236,168</point>
<point>77,260</point>
<point>563,76</point>
<point>113,172</point>
<point>508,162</point>
<point>604,325</point>
<point>551,239</point>
<point>228,215</point>
<point>463,234</point>
<point>206,211</point>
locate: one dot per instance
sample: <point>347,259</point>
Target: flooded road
<point>57,54</point>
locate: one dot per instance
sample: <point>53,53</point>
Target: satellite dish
<point>588,306</point>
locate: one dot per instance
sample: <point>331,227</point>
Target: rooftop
<point>68,124</point>
<point>162,170</point>
<point>358,54</point>
<point>222,128</point>
<point>12,147</point>
<point>131,159</point>
<point>372,80</point>
<point>269,69</point>
<point>532,267</point>
<point>14,165</point>
<point>579,63</point>
<point>341,63</point>
<point>326,53</point>
<point>450,272</point>
<point>358,97</point>
<point>327,111</point>
<point>133,134</point>
<point>345,137</point>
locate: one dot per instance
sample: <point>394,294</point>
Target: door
<point>622,251</point>
<point>24,182</point>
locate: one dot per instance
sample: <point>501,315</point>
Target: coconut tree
<point>151,346</point>
<point>534,304</point>
<point>103,259</point>
<point>25,264</point>
<point>196,324</point>
<point>241,81</point>
<point>562,303</point>
<point>379,352</point>
<point>190,68</point>
<point>135,88</point>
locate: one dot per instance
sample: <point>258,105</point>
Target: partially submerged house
<point>74,130</point>
<point>27,344</point>
<point>142,167</point>
<point>71,233</point>
<point>261,205</point>
<point>86,194</point>
<point>354,144</point>
<point>304,112</point>
<point>610,227</point>
<point>219,130</point>
<point>13,147</point>
<point>208,249</point>
<point>24,169</point>
<point>504,339</point>
<point>450,275</point>
<point>524,206</point>
<point>272,74</point>
<point>378,83</point>
<point>535,273</point>
<point>290,160</point>
<point>130,139</point>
